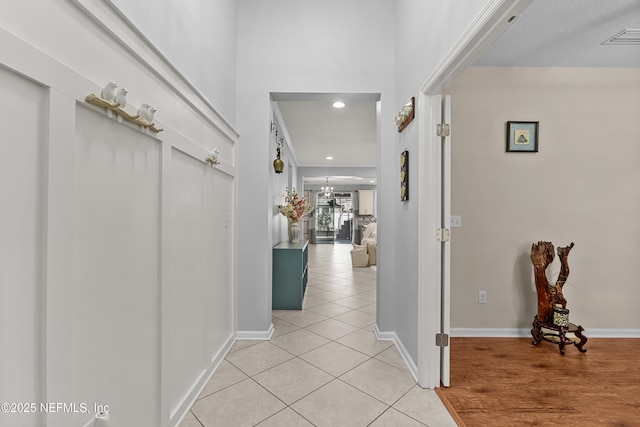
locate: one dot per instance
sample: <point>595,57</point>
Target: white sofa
<point>359,256</point>
<point>369,238</point>
<point>365,254</point>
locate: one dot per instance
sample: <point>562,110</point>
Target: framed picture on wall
<point>522,137</point>
<point>404,176</point>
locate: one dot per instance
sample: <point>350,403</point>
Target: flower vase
<point>294,232</point>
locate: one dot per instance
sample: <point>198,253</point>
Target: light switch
<point>456,221</point>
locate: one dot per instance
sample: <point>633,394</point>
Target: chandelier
<point>327,191</point>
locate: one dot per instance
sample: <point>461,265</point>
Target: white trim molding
<point>123,31</point>
<point>256,335</point>
<point>490,333</point>
<point>612,333</point>
<point>182,410</point>
<point>492,21</point>
<point>393,337</point>
<point>526,333</point>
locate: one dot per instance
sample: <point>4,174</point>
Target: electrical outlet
<point>482,297</point>
<point>456,221</point>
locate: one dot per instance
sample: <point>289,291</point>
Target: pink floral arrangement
<point>295,207</point>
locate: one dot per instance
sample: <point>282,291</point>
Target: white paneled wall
<point>220,261</point>
<point>117,253</point>
<point>185,302</point>
<point>21,239</point>
<point>198,285</point>
<point>115,271</point>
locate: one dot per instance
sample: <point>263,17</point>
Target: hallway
<point>323,365</point>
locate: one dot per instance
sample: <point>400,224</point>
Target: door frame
<point>492,21</point>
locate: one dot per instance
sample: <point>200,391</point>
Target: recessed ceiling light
<point>373,182</point>
<point>359,177</point>
<point>338,104</point>
<point>329,158</point>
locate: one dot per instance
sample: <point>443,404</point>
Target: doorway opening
<point>334,217</point>
<point>434,165</point>
<point>335,148</point>
<point>332,145</point>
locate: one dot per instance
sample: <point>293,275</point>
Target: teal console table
<point>289,277</point>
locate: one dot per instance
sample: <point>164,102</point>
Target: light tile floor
<point>323,365</point>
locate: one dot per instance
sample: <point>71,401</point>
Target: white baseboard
<point>526,333</point>
<point>183,409</point>
<point>491,332</point>
<point>384,336</point>
<point>392,336</point>
<point>255,335</point>
<point>612,333</point>
<point>188,402</point>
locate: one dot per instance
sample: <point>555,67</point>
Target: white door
<point>434,208</point>
<point>445,223</point>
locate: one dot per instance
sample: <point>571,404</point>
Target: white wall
<point>291,46</point>
<point>581,186</point>
<point>425,32</point>
<point>199,38</point>
<point>120,244</point>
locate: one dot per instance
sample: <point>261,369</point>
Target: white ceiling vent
<point>624,37</point>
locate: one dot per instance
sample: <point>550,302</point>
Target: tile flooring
<point>323,366</point>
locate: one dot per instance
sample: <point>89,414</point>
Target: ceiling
<point>317,130</point>
<point>565,33</point>
<point>568,33</point>
<point>339,181</point>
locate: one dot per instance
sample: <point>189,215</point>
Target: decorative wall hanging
<point>114,99</point>
<point>404,176</point>
<point>146,112</point>
<point>212,159</point>
<point>278,164</point>
<point>522,137</point>
<point>406,115</point>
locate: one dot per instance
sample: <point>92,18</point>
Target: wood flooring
<point>510,382</point>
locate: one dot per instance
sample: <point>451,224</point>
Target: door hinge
<point>443,129</point>
<point>443,234</point>
<point>442,340</point>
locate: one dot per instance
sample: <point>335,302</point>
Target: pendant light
<point>327,191</point>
